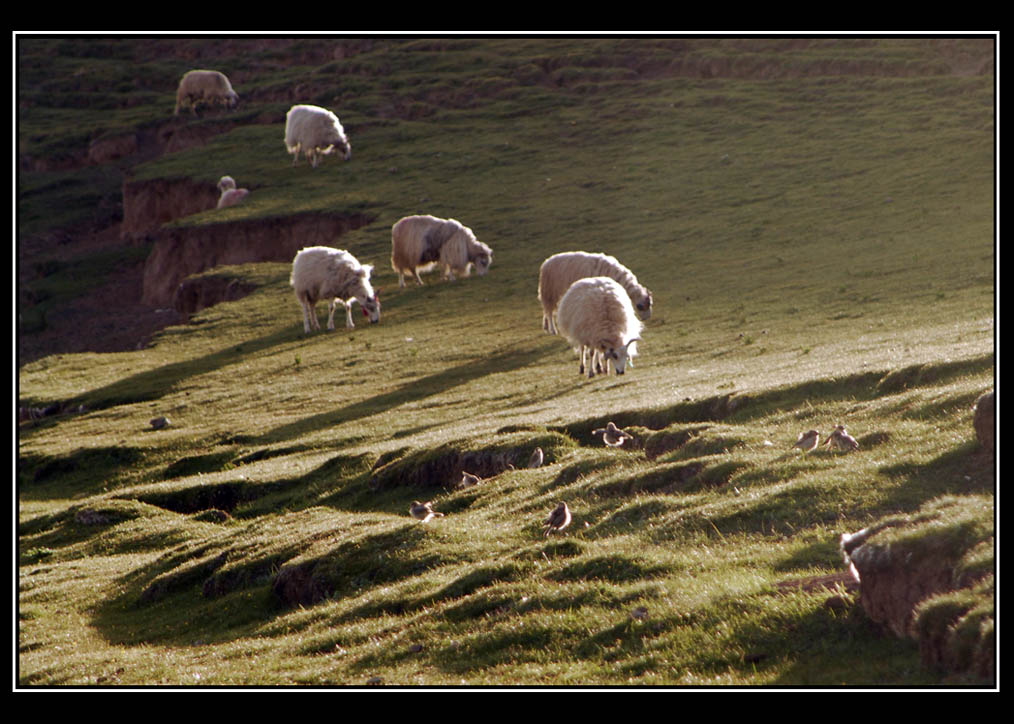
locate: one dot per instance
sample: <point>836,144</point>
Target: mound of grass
<point>442,466</point>
<point>942,557</point>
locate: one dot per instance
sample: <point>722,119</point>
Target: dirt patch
<point>295,585</point>
<point>197,293</point>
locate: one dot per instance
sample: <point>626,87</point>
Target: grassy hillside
<point>815,220</point>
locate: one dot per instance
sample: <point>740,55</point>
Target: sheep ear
<point>367,270</point>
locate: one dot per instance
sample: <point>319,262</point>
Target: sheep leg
<point>309,317</point>
<point>330,317</point>
<point>418,278</point>
<point>349,324</point>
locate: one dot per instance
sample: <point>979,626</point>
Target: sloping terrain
<point>813,216</point>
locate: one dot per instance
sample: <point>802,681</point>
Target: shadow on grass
<point>153,384</point>
<point>413,391</point>
<point>816,649</point>
<point>742,407</point>
<point>962,470</point>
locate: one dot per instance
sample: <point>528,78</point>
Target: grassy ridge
<point>815,221</point>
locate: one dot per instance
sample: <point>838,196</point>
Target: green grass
<point>815,220</point>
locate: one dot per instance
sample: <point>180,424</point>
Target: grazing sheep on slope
<point>316,132</point>
<point>597,314</point>
<point>320,272</point>
<point>230,194</point>
<point>418,243</point>
<point>204,86</point>
<point>561,270</point>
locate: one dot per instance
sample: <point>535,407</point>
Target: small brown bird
<point>612,435</point>
<point>808,441</point>
<point>423,511</point>
<point>839,439</point>
<point>468,480</point>
<point>640,613</point>
<point>558,519</point>
<point>535,461</point>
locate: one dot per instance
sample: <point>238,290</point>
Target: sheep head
<point>338,143</point>
<point>372,305</point>
<point>620,355</point>
<point>643,306</point>
<point>370,300</point>
<point>482,263</point>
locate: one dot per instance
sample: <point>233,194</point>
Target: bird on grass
<point>536,459</point>
<point>808,441</point>
<point>839,439</point>
<point>468,480</point>
<point>558,519</point>
<point>423,511</point>
<point>612,435</point>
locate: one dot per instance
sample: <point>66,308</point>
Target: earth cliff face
<point>149,204</point>
<point>137,299</point>
<point>178,253</point>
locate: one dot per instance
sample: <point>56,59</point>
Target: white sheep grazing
<point>596,314</point>
<point>204,86</point>
<point>316,132</point>
<point>561,270</point>
<point>230,194</point>
<point>320,272</point>
<point>418,243</point>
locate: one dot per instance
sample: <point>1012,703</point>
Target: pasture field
<point>815,218</point>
